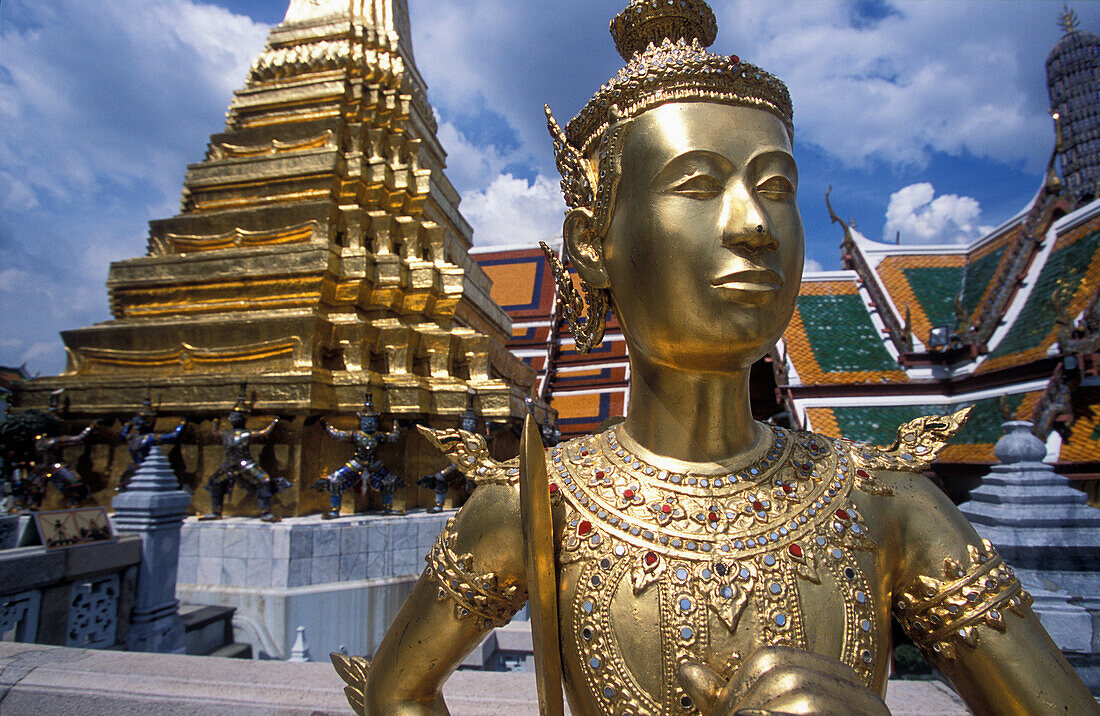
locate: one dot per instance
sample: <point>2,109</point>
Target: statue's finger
<point>702,685</point>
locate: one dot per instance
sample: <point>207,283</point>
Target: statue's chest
<point>657,569</point>
<point>237,441</point>
<point>365,444</point>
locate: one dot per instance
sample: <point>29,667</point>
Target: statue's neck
<point>699,418</point>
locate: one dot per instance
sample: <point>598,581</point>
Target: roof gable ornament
<point>1068,21</point>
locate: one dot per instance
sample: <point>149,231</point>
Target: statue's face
<point>368,424</point>
<point>236,419</point>
<point>469,424</point>
<point>704,251</point>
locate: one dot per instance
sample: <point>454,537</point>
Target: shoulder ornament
<point>470,454</point>
<point>940,615</point>
<point>918,444</point>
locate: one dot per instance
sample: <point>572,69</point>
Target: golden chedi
<point>691,560</point>
<point>319,254</point>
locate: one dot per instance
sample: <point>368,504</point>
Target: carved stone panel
<point>19,616</point>
<point>93,613</point>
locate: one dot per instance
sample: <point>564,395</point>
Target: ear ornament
<point>588,333</point>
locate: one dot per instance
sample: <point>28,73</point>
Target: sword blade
<point>542,576</point>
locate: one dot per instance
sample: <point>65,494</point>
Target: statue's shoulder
<point>470,454</point>
<point>918,444</point>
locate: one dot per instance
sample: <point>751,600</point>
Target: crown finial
<point>1068,21</point>
<point>652,21</point>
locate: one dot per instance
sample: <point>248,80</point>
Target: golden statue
<point>690,560</point>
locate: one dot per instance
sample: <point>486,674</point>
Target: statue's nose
<point>744,225</point>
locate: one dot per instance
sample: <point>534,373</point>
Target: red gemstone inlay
<point>862,473</point>
<point>843,514</point>
<point>628,494</point>
<point>787,489</point>
<point>553,488</point>
<point>650,559</point>
<point>599,474</point>
<point>666,508</point>
<point>584,528</point>
<point>757,505</point>
<point>583,453</point>
<point>713,517</point>
<point>735,59</point>
<point>795,550</point>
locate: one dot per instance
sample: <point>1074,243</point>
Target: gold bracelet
<point>939,615</point>
<point>490,601</point>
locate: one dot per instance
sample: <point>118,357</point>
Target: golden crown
<point>664,43</point>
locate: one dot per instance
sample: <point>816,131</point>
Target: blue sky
<point>928,118</point>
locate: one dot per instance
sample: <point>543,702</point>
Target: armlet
<point>490,601</point>
<point>470,454</point>
<point>941,615</point>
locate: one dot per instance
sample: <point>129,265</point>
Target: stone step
<point>233,651</point>
<point>206,629</point>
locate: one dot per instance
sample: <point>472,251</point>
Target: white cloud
<point>929,77</point>
<point>812,266</point>
<point>920,217</point>
<point>469,165</point>
<point>103,106</point>
<point>515,211</point>
<point>503,209</point>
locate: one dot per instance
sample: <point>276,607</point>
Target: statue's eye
<point>699,186</point>
<point>776,188</point>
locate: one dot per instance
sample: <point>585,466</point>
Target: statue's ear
<point>585,247</point>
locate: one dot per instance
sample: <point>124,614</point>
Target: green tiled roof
<point>878,424</point>
<point>936,287</point>
<point>841,334</point>
<point>977,278</point>
<point>1065,267</point>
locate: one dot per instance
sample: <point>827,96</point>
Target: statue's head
<point>469,416</point>
<point>139,424</point>
<point>239,414</point>
<point>681,188</point>
<point>368,418</point>
<point>142,422</point>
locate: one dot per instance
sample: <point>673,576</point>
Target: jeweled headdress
<point>368,407</point>
<point>664,44</point>
<point>241,406</point>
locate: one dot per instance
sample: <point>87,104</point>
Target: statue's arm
<point>345,436</point>
<point>172,435</point>
<point>262,434</point>
<point>75,439</point>
<point>968,614</point>
<point>480,550</point>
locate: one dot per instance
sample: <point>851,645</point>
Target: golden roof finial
<point>1068,20</point>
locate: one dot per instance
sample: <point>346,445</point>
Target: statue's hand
<point>777,681</point>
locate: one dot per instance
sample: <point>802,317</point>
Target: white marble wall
<point>343,580</point>
<point>304,551</point>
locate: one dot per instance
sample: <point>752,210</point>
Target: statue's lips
<point>750,283</point>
